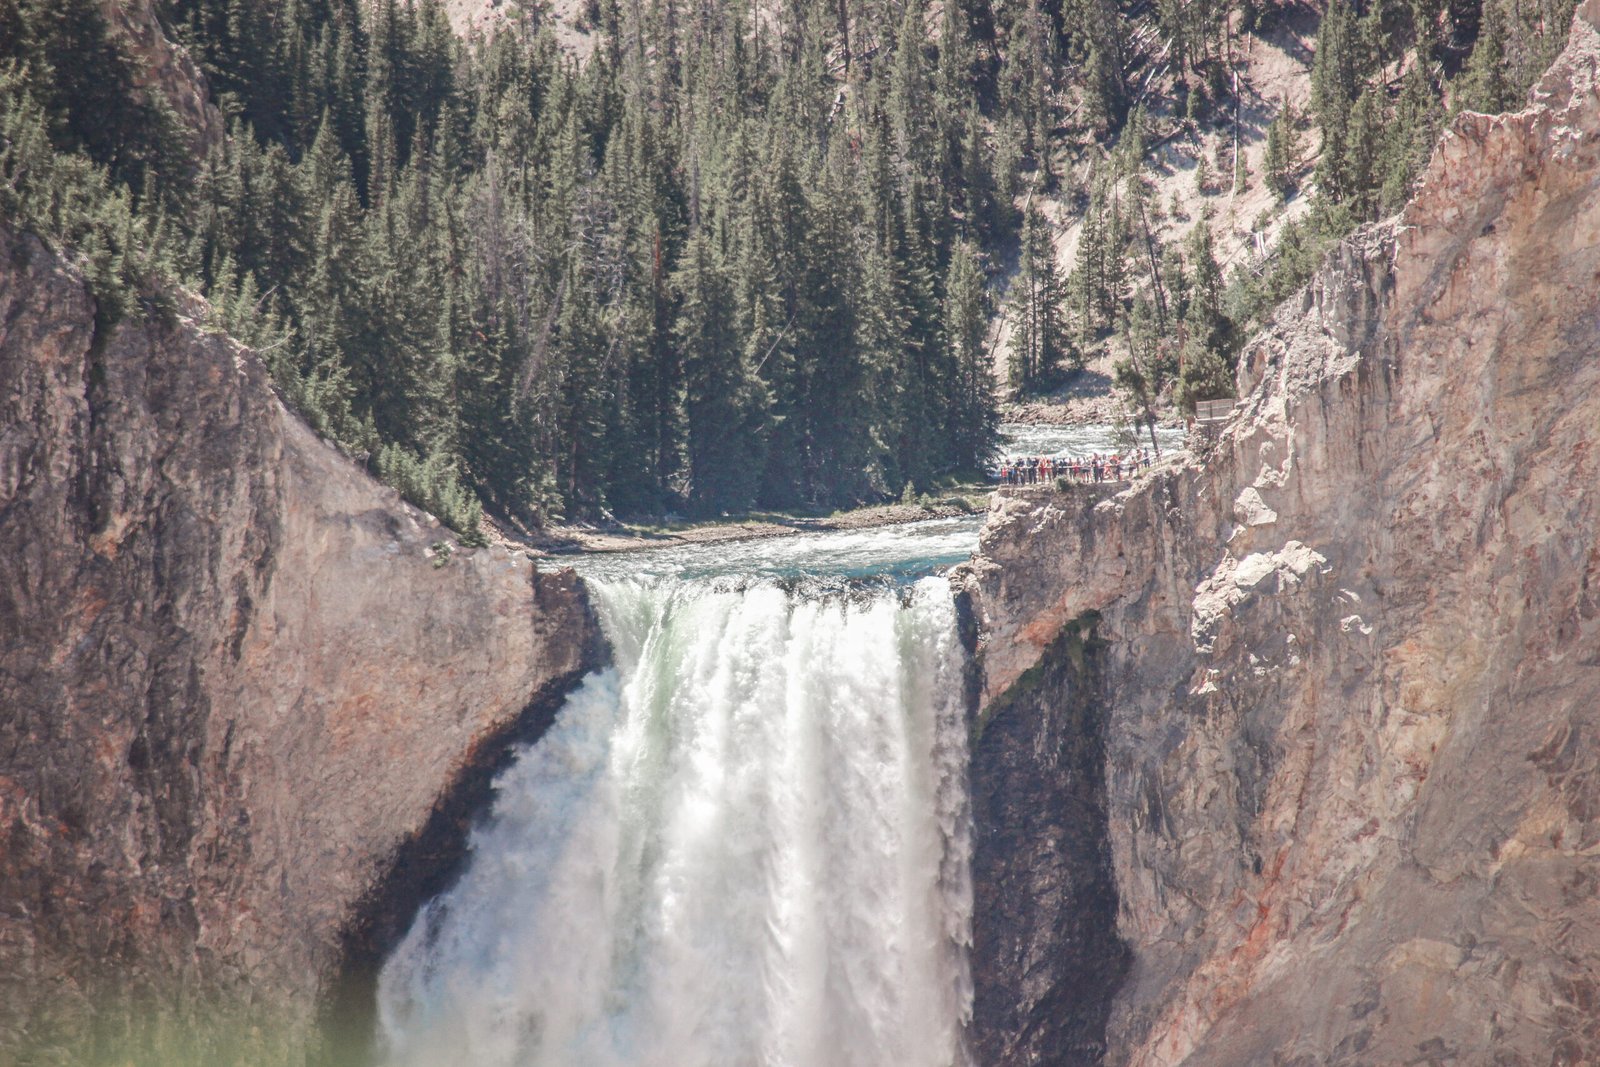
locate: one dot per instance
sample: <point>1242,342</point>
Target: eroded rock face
<point>1352,662</point>
<point>236,674</point>
<point>168,69</point>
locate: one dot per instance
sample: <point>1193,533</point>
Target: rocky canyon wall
<point>1348,676</point>
<point>240,682</point>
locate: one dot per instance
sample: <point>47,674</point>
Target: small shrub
<point>434,485</point>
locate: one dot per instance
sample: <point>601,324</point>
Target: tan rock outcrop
<point>1350,682</point>
<point>237,676</point>
<point>166,68</point>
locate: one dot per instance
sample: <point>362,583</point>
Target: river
<point>1021,439</point>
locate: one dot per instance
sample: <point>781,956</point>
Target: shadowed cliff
<point>1350,674</point>
<point>238,679</point>
<point>1043,856</point>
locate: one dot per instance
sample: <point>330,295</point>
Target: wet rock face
<point>1044,855</point>
<point>1352,665</point>
<point>236,675</point>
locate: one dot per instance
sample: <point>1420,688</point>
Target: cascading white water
<point>746,843</point>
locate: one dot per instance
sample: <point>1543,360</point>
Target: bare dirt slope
<point>1274,67</point>
<point>475,17</point>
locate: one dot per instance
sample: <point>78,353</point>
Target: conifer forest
<point>734,254</point>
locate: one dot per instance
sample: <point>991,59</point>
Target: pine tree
<point>1338,76</point>
<point>837,450</point>
<point>724,401</point>
<point>1206,360</point>
<point>911,104</point>
<point>1282,152</point>
<point>1097,45</point>
<point>579,351</point>
<point>1487,84</point>
<point>1145,372</point>
<point>1099,280</point>
<point>971,422</point>
<point>1412,131</point>
<point>1359,175</point>
<point>1031,83</point>
<point>1038,338</point>
<point>1425,28</point>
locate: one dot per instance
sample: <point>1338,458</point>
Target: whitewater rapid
<point>745,843</point>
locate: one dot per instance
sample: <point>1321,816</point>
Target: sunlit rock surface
<point>236,674</point>
<point>1349,692</point>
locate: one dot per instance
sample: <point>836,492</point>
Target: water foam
<point>745,843</point>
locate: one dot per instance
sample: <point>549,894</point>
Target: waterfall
<point>746,843</point>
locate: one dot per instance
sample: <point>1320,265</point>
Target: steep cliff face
<point>1351,664</point>
<point>236,675</point>
<point>1043,856</point>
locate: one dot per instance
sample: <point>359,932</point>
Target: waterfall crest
<point>747,842</point>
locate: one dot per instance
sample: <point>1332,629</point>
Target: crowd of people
<point>1041,470</point>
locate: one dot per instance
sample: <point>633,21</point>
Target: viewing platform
<point>1088,492</point>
